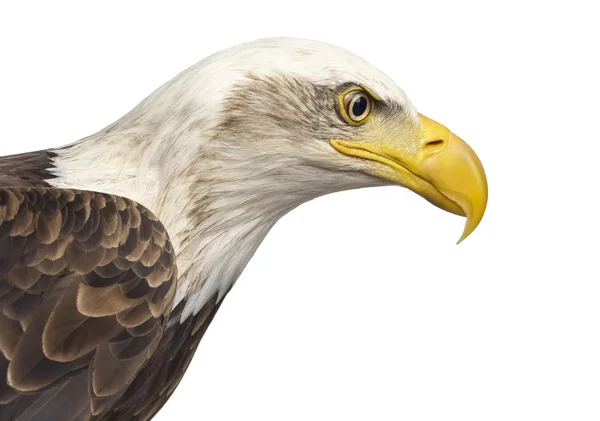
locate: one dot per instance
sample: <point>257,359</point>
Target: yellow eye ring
<point>356,105</point>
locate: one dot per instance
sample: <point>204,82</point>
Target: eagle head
<point>297,119</point>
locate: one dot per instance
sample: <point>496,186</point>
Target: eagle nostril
<point>434,145</point>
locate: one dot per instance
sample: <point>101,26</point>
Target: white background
<point>392,320</point>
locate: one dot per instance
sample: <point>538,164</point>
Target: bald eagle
<point>116,251</point>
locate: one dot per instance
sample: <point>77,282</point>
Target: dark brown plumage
<point>87,282</point>
<point>26,169</point>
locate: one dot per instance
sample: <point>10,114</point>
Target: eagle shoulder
<point>87,282</point>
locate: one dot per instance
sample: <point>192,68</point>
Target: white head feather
<point>153,154</point>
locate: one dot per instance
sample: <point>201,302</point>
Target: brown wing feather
<point>159,377</point>
<point>87,282</point>
<point>29,169</point>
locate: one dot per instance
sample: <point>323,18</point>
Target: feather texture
<point>85,308</point>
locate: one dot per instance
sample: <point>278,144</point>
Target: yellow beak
<point>433,162</point>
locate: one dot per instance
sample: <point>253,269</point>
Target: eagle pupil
<point>359,106</point>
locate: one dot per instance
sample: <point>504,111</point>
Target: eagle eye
<point>356,105</point>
